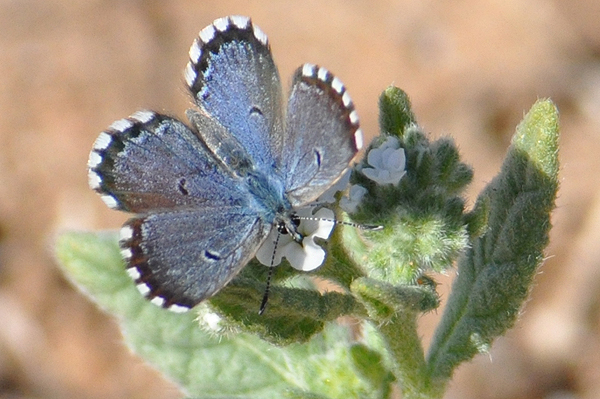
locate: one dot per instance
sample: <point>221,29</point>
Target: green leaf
<point>293,315</point>
<point>383,300</point>
<point>496,274</point>
<point>395,309</point>
<point>209,366</point>
<point>93,263</point>
<point>369,364</point>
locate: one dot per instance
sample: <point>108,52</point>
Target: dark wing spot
<point>318,158</point>
<point>181,186</point>
<point>212,255</point>
<point>255,110</point>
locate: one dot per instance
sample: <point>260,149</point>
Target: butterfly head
<point>289,225</point>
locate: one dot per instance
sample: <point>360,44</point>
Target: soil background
<point>70,68</point>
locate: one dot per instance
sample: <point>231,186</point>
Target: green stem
<point>404,344</point>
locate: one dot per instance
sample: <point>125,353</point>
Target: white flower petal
<point>307,256</point>
<point>265,252</point>
<point>319,228</point>
<point>390,142</point>
<point>324,229</point>
<point>388,162</point>
<point>374,158</point>
<point>395,160</point>
<point>371,173</point>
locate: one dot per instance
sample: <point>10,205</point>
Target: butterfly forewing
<point>198,228</point>
<point>151,161</point>
<point>232,76</point>
<point>322,134</point>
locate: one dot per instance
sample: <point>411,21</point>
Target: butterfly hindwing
<point>179,258</point>
<point>322,134</point>
<point>232,77</point>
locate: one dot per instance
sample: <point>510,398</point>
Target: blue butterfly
<point>206,196</point>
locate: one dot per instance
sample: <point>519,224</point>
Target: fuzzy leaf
<point>395,112</point>
<point>496,274</point>
<point>207,366</point>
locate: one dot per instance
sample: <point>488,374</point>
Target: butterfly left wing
<point>195,229</point>
<point>181,257</point>
<point>151,161</point>
<point>322,134</point>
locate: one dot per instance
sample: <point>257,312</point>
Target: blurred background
<point>472,68</point>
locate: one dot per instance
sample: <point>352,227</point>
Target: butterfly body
<point>206,196</point>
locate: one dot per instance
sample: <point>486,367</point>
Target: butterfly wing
<point>151,161</point>
<point>196,229</point>
<point>180,258</point>
<point>233,79</point>
<point>322,134</point>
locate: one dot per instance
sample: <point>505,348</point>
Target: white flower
<point>328,197</point>
<point>355,195</point>
<point>388,162</point>
<point>305,257</point>
<point>210,321</point>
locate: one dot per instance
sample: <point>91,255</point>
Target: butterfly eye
<point>281,228</point>
<point>295,220</point>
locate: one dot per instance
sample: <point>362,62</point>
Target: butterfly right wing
<point>322,137</point>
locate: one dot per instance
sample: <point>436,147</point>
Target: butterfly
<point>206,195</point>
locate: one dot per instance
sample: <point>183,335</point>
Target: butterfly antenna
<point>351,224</point>
<point>263,304</point>
<point>335,221</point>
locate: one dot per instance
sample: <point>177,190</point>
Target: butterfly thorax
<point>269,196</point>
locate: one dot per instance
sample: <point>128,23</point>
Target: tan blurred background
<point>70,68</point>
